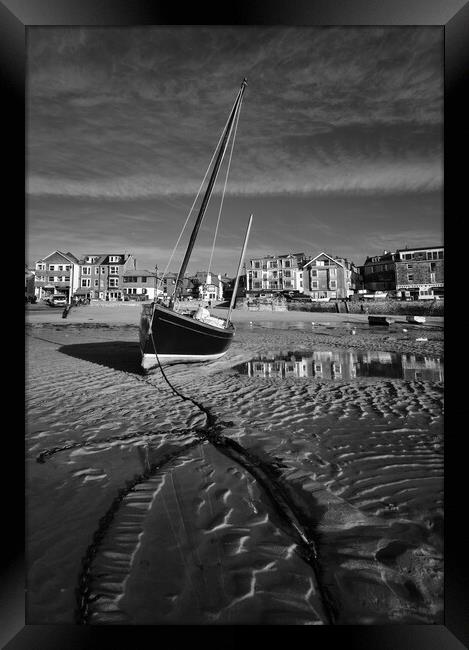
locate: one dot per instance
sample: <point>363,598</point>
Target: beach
<point>297,480</point>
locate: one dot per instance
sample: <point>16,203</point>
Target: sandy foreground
<point>238,499</point>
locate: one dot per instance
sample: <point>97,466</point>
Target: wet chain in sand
<point>264,474</point>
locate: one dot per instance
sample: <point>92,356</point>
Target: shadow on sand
<point>118,355</point>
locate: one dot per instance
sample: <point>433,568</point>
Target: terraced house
<point>379,272</point>
<point>420,272</point>
<point>56,273</point>
<point>275,273</point>
<point>140,284</point>
<point>102,275</point>
<point>327,277</point>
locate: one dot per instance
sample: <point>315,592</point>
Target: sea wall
<point>398,307</point>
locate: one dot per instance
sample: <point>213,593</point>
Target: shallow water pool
<point>344,364</point>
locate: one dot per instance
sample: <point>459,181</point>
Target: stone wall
<point>413,307</point>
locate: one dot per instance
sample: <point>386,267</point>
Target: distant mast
<point>208,191</point>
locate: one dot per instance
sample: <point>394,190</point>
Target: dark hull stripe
<point>176,334</point>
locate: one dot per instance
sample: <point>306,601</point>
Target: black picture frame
<point>453,17</point>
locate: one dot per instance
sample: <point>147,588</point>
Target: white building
<point>56,273</point>
<point>275,273</point>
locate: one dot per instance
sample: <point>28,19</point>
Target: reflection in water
<point>344,364</point>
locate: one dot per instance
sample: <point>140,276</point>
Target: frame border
<point>453,17</point>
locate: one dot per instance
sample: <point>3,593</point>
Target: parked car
<point>57,300</point>
<point>320,299</point>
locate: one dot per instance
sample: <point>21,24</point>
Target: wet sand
<point>281,501</point>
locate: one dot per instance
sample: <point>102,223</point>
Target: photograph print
<point>234,294</point>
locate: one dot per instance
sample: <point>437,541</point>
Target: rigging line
<point>193,204</point>
<point>224,187</point>
<point>201,407</point>
<point>226,179</point>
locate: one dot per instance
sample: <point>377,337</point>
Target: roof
<point>99,259</point>
<point>68,257</point>
<point>319,255</point>
<point>418,248</point>
<point>102,256</point>
<point>135,272</point>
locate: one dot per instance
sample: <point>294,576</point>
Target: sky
<point>339,144</point>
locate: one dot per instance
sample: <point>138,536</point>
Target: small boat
<point>379,320</point>
<point>168,333</point>
<point>416,319</point>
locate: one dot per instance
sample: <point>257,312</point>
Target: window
<point>440,255</point>
<point>408,256</point>
<point>315,284</point>
<point>96,270</point>
<point>51,267</point>
<point>333,272</point>
<point>287,274</point>
<point>287,264</point>
<point>85,282</point>
<point>41,267</point>
<point>410,278</point>
<point>67,267</point>
<point>113,282</point>
<point>333,284</point>
<point>320,263</point>
<point>96,283</point>
<point>257,265</point>
<point>144,278</point>
<point>51,278</point>
<point>114,270</point>
<point>144,291</point>
<point>86,270</point>
<point>103,270</point>
<point>60,267</point>
<point>114,258</point>
<point>314,273</point>
<point>409,266</point>
<point>66,278</point>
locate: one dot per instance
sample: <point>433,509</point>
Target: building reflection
<point>344,365</point>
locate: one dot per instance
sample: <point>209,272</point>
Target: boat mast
<point>208,193</point>
<point>241,259</point>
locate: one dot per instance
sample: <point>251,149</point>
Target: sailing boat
<point>168,334</point>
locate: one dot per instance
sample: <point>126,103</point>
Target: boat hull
<point>179,338</point>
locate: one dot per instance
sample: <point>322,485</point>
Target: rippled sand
<point>324,505</point>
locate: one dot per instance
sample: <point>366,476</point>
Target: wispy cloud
<point>122,117</point>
